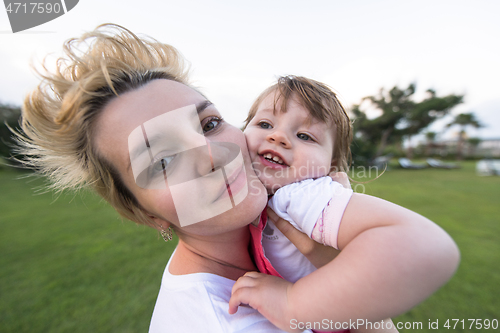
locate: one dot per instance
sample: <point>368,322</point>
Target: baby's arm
<point>313,206</point>
<point>391,259</point>
<point>303,203</point>
<point>319,254</point>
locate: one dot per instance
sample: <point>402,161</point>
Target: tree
<point>473,143</point>
<point>463,120</point>
<point>430,136</point>
<point>400,117</point>
<point>9,117</point>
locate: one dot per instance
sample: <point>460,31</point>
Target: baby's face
<point>287,147</point>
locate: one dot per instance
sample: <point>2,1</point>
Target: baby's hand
<point>266,294</point>
<point>341,177</point>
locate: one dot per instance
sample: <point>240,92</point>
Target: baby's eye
<point>212,123</point>
<point>162,163</point>
<point>265,125</point>
<point>303,136</point>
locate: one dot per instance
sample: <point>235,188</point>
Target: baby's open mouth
<point>273,158</point>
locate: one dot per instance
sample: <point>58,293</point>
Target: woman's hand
<point>266,294</point>
<point>340,177</point>
<point>318,254</point>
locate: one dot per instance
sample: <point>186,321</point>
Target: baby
<point>297,130</point>
<point>297,133</point>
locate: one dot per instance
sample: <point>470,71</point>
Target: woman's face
<point>180,160</point>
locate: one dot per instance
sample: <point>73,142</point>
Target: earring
<point>166,234</point>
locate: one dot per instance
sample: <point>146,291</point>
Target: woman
<point>121,118</point>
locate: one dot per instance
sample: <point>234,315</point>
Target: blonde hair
<point>59,116</point>
<point>322,104</point>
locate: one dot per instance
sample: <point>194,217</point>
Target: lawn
<point>72,265</point>
<point>467,206</point>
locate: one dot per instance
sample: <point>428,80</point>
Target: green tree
<point>431,137</point>
<point>9,117</point>
<point>473,143</point>
<point>463,120</point>
<point>400,117</point>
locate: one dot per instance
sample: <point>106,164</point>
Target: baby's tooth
<point>276,158</point>
<point>268,155</point>
<point>280,161</point>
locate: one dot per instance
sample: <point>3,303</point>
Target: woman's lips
<point>236,173</point>
<point>233,184</point>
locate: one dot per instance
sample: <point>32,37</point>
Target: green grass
<point>467,206</point>
<point>72,265</point>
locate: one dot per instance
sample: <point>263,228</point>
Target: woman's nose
<point>221,153</point>
<point>278,137</point>
<point>201,161</point>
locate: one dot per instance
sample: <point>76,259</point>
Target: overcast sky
<point>237,48</point>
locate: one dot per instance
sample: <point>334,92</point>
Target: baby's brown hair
<point>322,104</point>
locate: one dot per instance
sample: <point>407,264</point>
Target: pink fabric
<point>318,234</point>
<point>326,228</point>
<point>257,252</point>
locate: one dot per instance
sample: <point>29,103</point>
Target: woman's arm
<point>391,259</point>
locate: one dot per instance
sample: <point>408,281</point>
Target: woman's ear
<point>164,227</point>
<point>159,223</point>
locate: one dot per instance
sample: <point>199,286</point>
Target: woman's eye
<point>303,136</point>
<point>264,125</point>
<point>162,163</point>
<point>211,124</point>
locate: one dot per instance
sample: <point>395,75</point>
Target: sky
<point>237,49</point>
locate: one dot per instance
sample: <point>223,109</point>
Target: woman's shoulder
<point>199,303</point>
<point>189,303</point>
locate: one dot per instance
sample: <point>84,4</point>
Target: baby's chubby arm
<point>391,259</point>
<point>302,203</point>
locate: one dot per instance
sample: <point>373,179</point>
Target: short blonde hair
<point>322,104</point>
<point>59,116</point>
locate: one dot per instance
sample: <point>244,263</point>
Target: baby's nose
<point>280,138</point>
